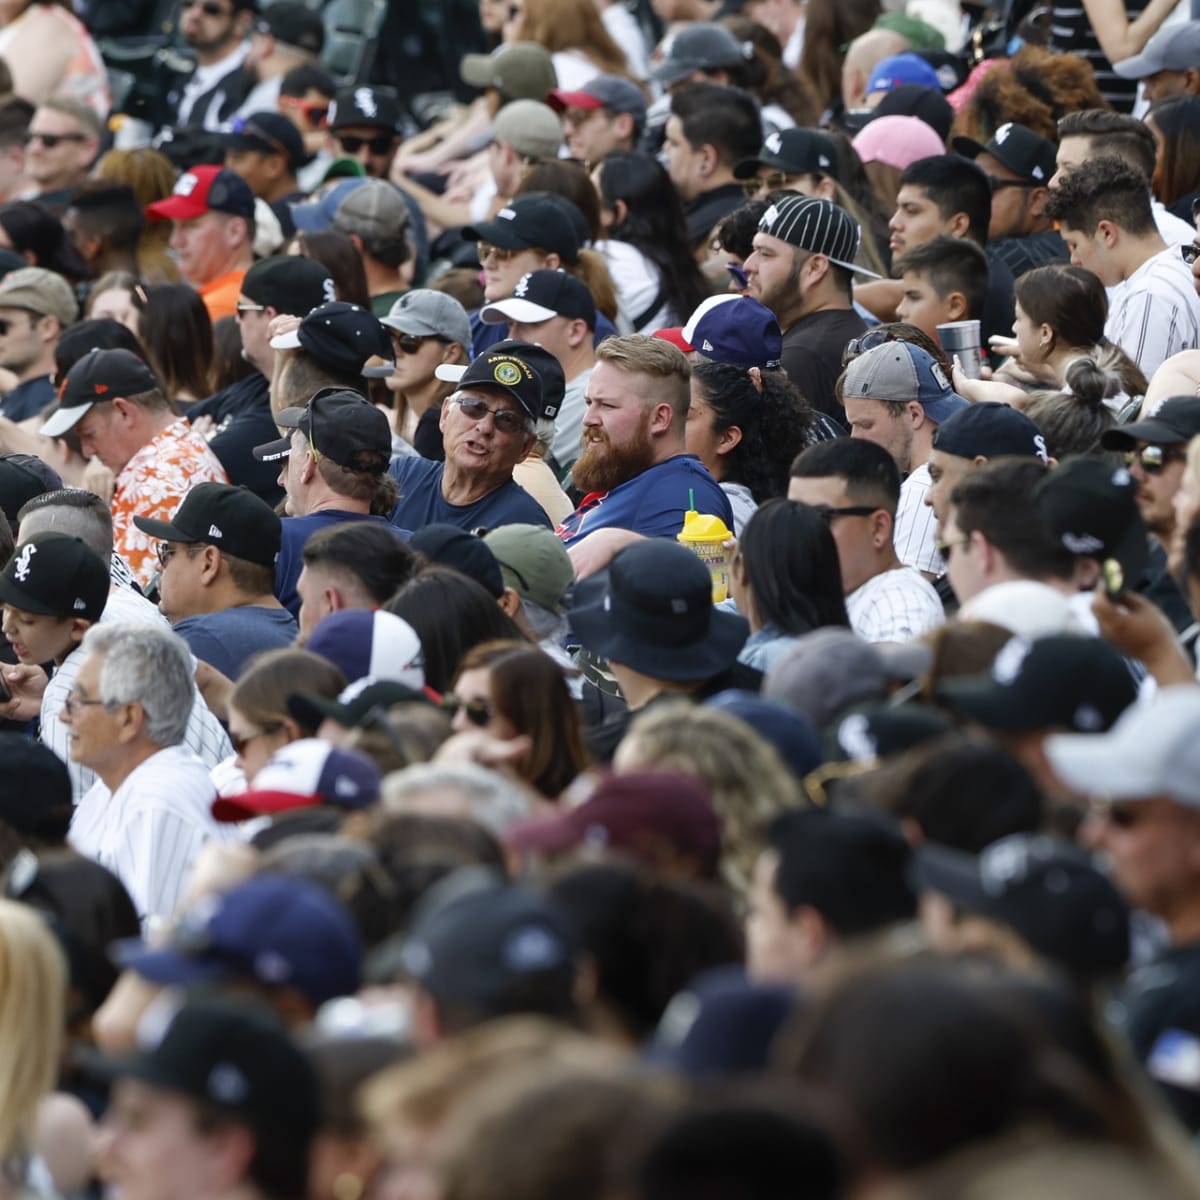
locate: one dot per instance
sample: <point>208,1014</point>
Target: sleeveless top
<point>1071,33</point>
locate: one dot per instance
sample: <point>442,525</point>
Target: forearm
<point>1119,37</point>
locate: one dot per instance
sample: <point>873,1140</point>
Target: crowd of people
<point>633,640</point>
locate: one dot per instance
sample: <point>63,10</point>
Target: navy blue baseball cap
<point>737,330</point>
<point>990,430</point>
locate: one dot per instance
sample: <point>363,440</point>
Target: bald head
<point>863,55</point>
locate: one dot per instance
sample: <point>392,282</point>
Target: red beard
<point>606,465</point>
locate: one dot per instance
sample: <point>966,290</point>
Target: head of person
<point>64,139</point>
<point>552,308</point>
<point>1173,123</point>
<point>105,220</point>
<point>215,28</point>
<point>1019,165</point>
<point>305,95</point>
<point>945,280</point>
<point>710,130</point>
<point>701,52</point>
<point>606,114</point>
<point>537,576</point>
<point>1058,307</point>
<point>177,325</point>
<point>896,395</point>
<point>940,195</point>
<point>1098,211</point>
<point>794,160</point>
<point>428,329</point>
<point>375,217</point>
<point>116,296</point>
<point>15,115</point>
<point>36,305</point>
<point>854,486</point>
<point>31,229</point>
<point>288,284</point>
<point>524,132</point>
<point>515,70</point>
<point>212,214</point>
<point>1166,66</point>
<point>1097,132</point>
<point>286,35</point>
<point>532,232</point>
<point>638,396</point>
<point>363,122</point>
<point>266,150</point>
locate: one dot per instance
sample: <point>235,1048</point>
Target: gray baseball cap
<point>424,312</point>
<point>604,91</point>
<point>375,209</point>
<point>1172,48</point>
<point>901,372</point>
<point>700,46</point>
<point>530,127</point>
<point>825,673</point>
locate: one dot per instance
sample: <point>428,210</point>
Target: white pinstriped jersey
<point>915,533</point>
<point>1155,313</point>
<point>894,606</point>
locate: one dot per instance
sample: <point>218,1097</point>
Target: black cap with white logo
<point>794,151</point>
<point>1022,151</point>
<point>233,519</point>
<point>57,576</point>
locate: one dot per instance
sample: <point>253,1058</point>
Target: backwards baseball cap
<point>898,141</point>
<point>517,70</point>
<point>734,329</point>
<point>374,210</point>
<point>1022,151</point>
<point>233,519</point>
<point>540,295</point>
<point>205,189</point>
<point>902,372</point>
<point>282,932</point>
<point>699,46</point>
<point>795,152</point>
<point>1057,682</point>
<point>317,215</point>
<point>39,291</point>
<point>1043,888</point>
<point>1176,421</point>
<point>340,425</point>
<point>370,644</point>
<point>22,477</point>
<point>289,283</point>
<point>925,103</point>
<point>530,127</point>
<point>534,563</point>
<point>613,92</point>
<point>1172,48</point>
<point>304,774</point>
<point>467,553</point>
<point>900,69</point>
<point>58,576</point>
<point>991,430</point>
<point>35,789</point>
<point>534,219</point>
<point>509,370</point>
<point>268,133</point>
<point>340,336</point>
<point>365,104</point>
<point>817,225</point>
<point>99,376</point>
<point>294,25</point>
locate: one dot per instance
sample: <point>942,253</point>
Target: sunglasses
<point>1122,816</point>
<point>998,185</point>
<point>379,145</point>
<point>478,712</point>
<point>776,179</point>
<point>1152,459</point>
<point>210,8</point>
<point>487,250</point>
<point>868,341</point>
<point>506,420</point>
<point>1189,252</point>
<point>316,112</point>
<point>50,140</point>
<point>241,741</point>
<point>410,343</point>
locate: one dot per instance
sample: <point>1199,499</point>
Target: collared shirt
<point>915,534</point>
<point>894,606</point>
<point>1156,312</point>
<point>153,483</point>
<point>203,101</point>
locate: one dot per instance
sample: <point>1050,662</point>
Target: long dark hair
<point>653,224</point>
<point>177,332</point>
<point>774,423</point>
<point>32,228</point>
<point>1177,172</point>
<point>791,564</point>
<point>337,254</point>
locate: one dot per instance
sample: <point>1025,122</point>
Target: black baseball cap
<point>58,576</point>
<point>534,219</point>
<point>341,337</point>
<point>35,789</point>
<point>268,133</point>
<point>99,376</point>
<point>870,732</point>
<point>540,295</point>
<point>796,151</point>
<point>1064,681</point>
<point>1177,421</point>
<point>990,430</point>
<point>22,477</point>
<point>293,24</point>
<point>355,705</point>
<point>289,283</point>
<point>1091,508</point>
<point>452,546</point>
<point>1043,888</point>
<point>1022,151</point>
<point>235,1057</point>
<point>366,104</point>
<point>233,519</point>
<point>339,424</point>
<point>916,100</point>
<point>513,367</point>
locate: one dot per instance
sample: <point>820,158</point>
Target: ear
<point>881,528</point>
<point>661,418</point>
<point>1038,196</point>
<point>212,565</point>
<point>623,125</point>
<point>827,188</point>
<point>731,438</point>
<point>553,262</point>
<point>241,23</point>
<point>810,934</point>
<point>358,242</point>
<point>452,352</point>
<point>916,414</point>
<point>956,306</point>
<point>79,626</point>
<point>124,411</point>
<point>1108,231</point>
<point>710,160</point>
<point>510,602</point>
<point>578,333</point>
<point>620,211</point>
<point>960,223</point>
<point>1045,335</point>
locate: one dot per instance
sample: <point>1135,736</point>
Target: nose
<point>894,223</point>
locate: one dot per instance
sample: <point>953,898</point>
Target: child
<point>944,280</point>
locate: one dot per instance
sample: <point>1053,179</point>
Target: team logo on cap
<point>328,290</point>
<point>1008,662</point>
<point>773,143</point>
<point>939,376</point>
<point>1002,133</point>
<point>1082,543</point>
<point>364,100</point>
<point>213,531</point>
<point>522,285</point>
<point>80,604</point>
<point>227,1084</point>
<point>507,373</point>
<point>1039,446</point>
<point>186,184</point>
<point>856,739</point>
<point>21,568</point>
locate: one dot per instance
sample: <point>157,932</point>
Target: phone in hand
<point>1114,578</point>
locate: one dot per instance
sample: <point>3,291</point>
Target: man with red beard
<point>637,478</point>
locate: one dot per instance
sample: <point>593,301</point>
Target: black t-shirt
<point>708,208</point>
<point>812,355</point>
<point>242,415</point>
<point>1021,254</point>
<point>998,310</point>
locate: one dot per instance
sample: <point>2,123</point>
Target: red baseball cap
<point>674,335</point>
<point>204,189</point>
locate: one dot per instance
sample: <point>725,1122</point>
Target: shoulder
<point>415,472</point>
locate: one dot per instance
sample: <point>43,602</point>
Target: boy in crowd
<point>944,280</point>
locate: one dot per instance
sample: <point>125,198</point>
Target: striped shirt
<point>1156,313</point>
<point>894,606</point>
<point>1071,32</point>
<point>915,534</point>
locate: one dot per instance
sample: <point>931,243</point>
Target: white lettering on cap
<point>364,100</point>
<point>186,184</point>
<point>506,214</point>
<point>213,531</point>
<point>1082,543</point>
<point>939,376</point>
<point>1038,173</point>
<point>80,604</point>
<point>1003,132</point>
<point>343,785</point>
<point>227,1084</point>
<point>522,285</point>
<point>21,568</point>
<point>856,739</point>
<point>823,159</point>
<point>773,143</point>
<point>1008,662</point>
<point>769,218</point>
<point>1039,446</point>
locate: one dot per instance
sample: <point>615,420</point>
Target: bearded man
<point>634,470</point>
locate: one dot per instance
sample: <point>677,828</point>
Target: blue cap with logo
<point>903,373</point>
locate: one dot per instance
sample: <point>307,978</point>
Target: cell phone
<point>1114,577</point>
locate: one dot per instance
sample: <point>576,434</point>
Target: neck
<point>1136,252</point>
<point>581,360</point>
<point>224,595</point>
<point>1184,927</point>
<point>35,370</point>
<point>1058,360</point>
<point>323,499</point>
<point>460,488</point>
<point>281,188</point>
<point>114,774</point>
<point>428,395</point>
<point>719,178</point>
<point>206,58</point>
<point>380,278</point>
<point>238,259</point>
<point>667,447</point>
<point>114,260</point>
<point>639,689</point>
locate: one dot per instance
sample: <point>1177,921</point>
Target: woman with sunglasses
<point>511,689</point>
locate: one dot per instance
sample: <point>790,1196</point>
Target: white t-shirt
<point>573,69</point>
<point>894,606</point>
<point>623,28</point>
<point>568,425</point>
<point>636,281</point>
<point>915,534</point>
<point>1156,312</point>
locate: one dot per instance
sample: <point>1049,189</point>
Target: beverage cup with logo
<point>708,538</point>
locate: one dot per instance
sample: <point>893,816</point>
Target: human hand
<point>1136,627</point>
<point>594,552</point>
<point>25,686</point>
<point>476,746</point>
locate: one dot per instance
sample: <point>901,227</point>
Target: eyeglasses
<point>868,341</point>
<point>72,704</point>
<point>1189,252</point>
<point>1152,459</point>
<point>827,512</point>
<point>776,179</point>
<point>210,8</point>
<point>50,140</point>
<point>240,741</point>
<point>1123,816</point>
<point>167,551</point>
<point>379,145</point>
<point>506,420</point>
<point>998,185</point>
<point>478,712</point>
<point>945,545</point>
<point>487,250</point>
<point>316,112</point>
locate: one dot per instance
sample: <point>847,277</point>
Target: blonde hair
<point>573,25</point>
<point>152,177</point>
<point>33,989</point>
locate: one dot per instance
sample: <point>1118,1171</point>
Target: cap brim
<point>515,309</point>
<point>1151,431</point>
<point>477,70</point>
<point>968,147</point>
<point>995,707</point>
<point>748,168</point>
<point>286,341</point>
<point>310,711</point>
<point>259,804</point>
<point>450,372</point>
<point>311,218</point>
<point>176,208</point>
<point>668,72</point>
<point>166,965</point>
<point>64,420</point>
<point>853,267</point>
<point>547,835</point>
<point>386,371</point>
<point>10,593</point>
<point>273,451</point>
<point>674,335</point>
<point>560,100</point>
<point>1099,764</point>
<point>164,531</point>
<point>1137,67</point>
<point>498,233</point>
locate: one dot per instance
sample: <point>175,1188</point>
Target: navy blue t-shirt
<point>653,503</point>
<point>227,638</point>
<point>422,503</point>
<point>27,399</point>
<point>242,415</point>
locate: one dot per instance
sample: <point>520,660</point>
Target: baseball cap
<point>340,425</point>
<point>1043,888</point>
<point>275,930</point>
<point>699,46</point>
<point>898,141</point>
<point>534,219</point>
<point>1152,750</point>
<point>871,732</point>
<point>793,736</point>
<point>540,295</point>
<point>817,225</point>
<point>203,189</point>
<point>317,215</point>
<point>22,477</point>
<point>613,92</point>
<point>340,336</point>
<point>1091,508</point>
<point>56,575</point>
<point>919,34</point>
<point>374,210</point>
<point>39,291</point>
<point>926,103</point>
<point>734,329</point>
<point>293,24</point>
<point>304,774</point>
<point>534,563</point>
<point>1177,420</point>
<point>530,127</point>
<point>517,70</point>
<point>507,369</point>
<point>795,151</point>
<point>1025,607</point>
<point>630,812</point>
<point>356,703</point>
<point>1062,681</point>
<point>268,133</point>
<point>289,283</point>
<point>902,372</point>
<point>452,546</point>
<point>234,1057</point>
<point>99,376</point>
<point>231,518</point>
<point>365,104</point>
<point>35,789</point>
<point>370,644</point>
<point>1172,48</point>
<point>900,69</point>
<point>1022,151</point>
<point>824,673</point>
<point>991,430</point>
<point>428,313</point>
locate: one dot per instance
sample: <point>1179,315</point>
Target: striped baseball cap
<point>818,226</point>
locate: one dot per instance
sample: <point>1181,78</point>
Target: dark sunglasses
<point>776,179</point>
<point>1189,251</point>
<point>1123,816</point>
<point>478,712</point>
<point>506,420</point>
<point>240,742</point>
<point>410,343</point>
<point>210,8</point>
<point>379,145</point>
<point>999,185</point>
<point>1152,459</point>
<point>316,112</point>
<point>50,140</point>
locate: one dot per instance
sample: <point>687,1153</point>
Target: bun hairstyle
<point>1072,422</point>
